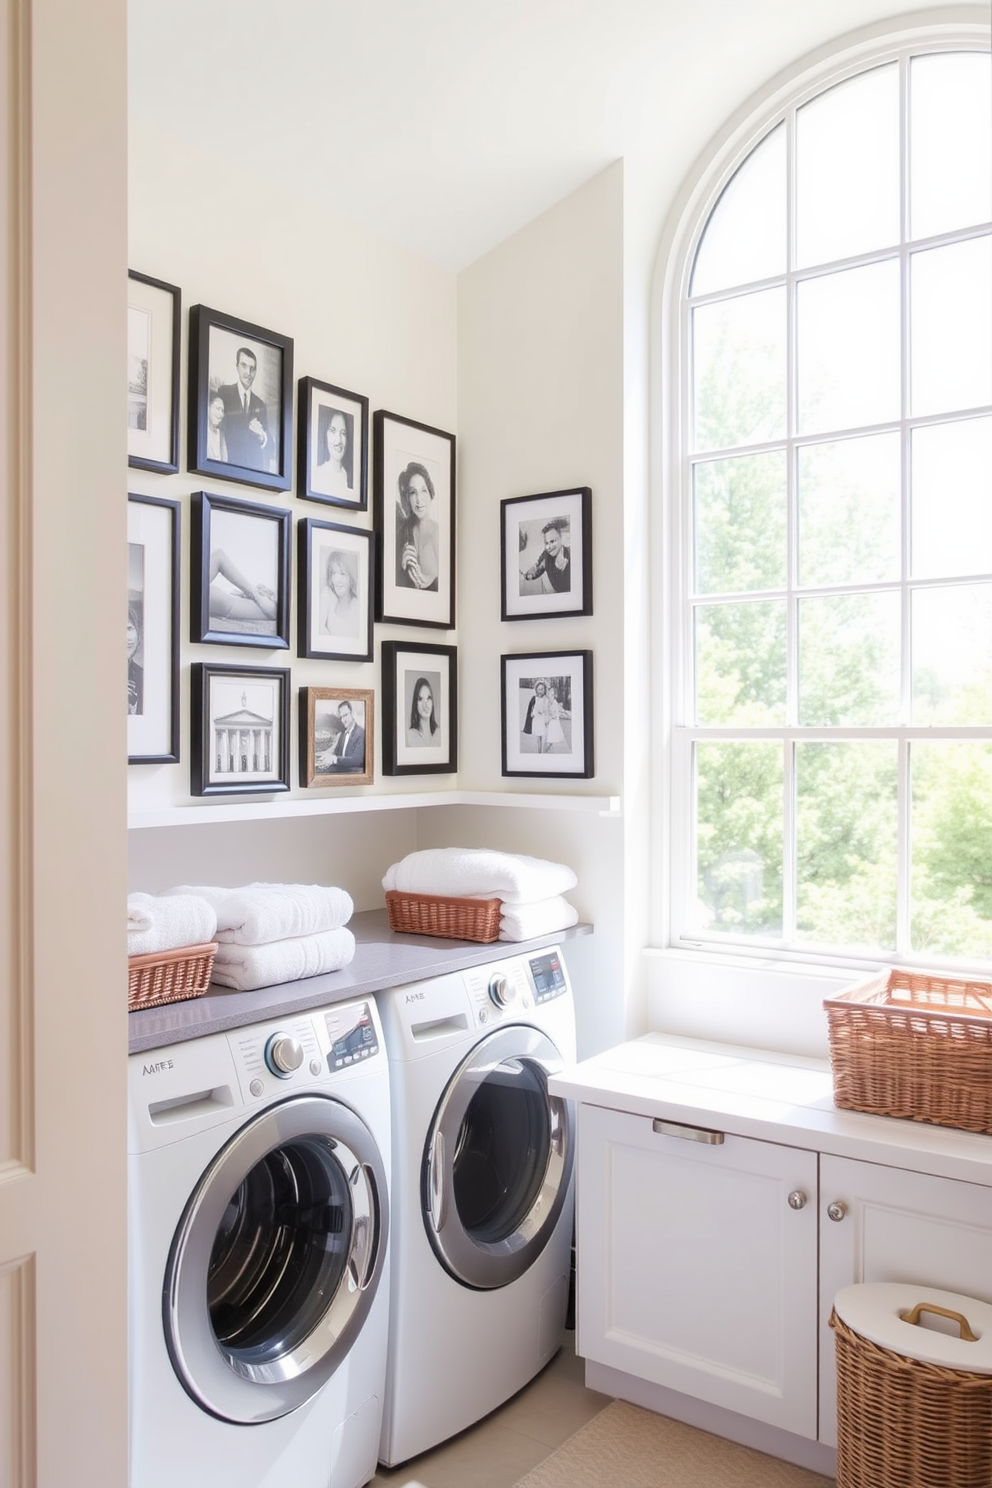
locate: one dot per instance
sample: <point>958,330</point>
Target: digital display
<point>356,1042</point>
<point>548,974</point>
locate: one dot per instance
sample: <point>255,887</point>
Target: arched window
<point>832,714</point>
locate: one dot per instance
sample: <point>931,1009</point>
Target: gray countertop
<point>382,959</point>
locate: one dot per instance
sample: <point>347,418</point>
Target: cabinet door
<point>694,1271</point>
<point>896,1226</point>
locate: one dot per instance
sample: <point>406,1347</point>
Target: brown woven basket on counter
<point>915,1045</point>
<point>169,976</point>
<point>433,914</point>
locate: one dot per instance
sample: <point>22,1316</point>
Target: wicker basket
<point>433,914</point>
<point>169,976</point>
<point>914,1045</point>
<point>907,1423</point>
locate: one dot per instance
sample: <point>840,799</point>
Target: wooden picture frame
<point>154,326</point>
<point>546,555</point>
<point>153,527</point>
<point>239,727</point>
<point>240,421</point>
<point>239,572</point>
<point>334,586</point>
<point>336,736</point>
<point>414,518</point>
<point>547,714</point>
<point>334,445</point>
<point>419,709</point>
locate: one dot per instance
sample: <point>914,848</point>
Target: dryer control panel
<point>504,991</point>
<point>547,973</point>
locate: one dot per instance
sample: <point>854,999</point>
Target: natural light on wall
<point>834,718</point>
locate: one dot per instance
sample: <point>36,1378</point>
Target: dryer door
<point>498,1159</point>
<point>276,1260</point>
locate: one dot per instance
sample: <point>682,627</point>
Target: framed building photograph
<point>546,550</point>
<point>334,591</point>
<point>239,572</point>
<point>152,630</point>
<point>419,709</point>
<point>240,417</point>
<point>414,515</point>
<point>239,724</point>
<point>336,740</point>
<point>547,714</point>
<point>154,311</point>
<point>334,443</point>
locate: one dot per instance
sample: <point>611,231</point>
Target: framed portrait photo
<point>419,709</point>
<point>240,417</point>
<point>239,573</point>
<point>334,443</point>
<point>547,714</point>
<point>334,591</point>
<point>153,329</point>
<point>336,737</point>
<point>239,720</point>
<point>414,500</point>
<point>546,550</point>
<point>152,630</point>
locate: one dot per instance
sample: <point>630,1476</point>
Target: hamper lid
<point>876,1309</point>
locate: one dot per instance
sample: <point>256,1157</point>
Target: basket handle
<point>913,1316</point>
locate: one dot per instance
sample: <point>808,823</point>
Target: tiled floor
<point>506,1445</point>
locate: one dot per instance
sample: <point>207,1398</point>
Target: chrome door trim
<point>242,1390</point>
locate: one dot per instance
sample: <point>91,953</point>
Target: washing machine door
<point>498,1159</point>
<point>276,1260</point>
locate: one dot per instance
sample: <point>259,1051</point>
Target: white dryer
<point>258,1275</point>
<point>481,1193</point>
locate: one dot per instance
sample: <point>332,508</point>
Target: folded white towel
<point>542,917</point>
<point>263,912</point>
<point>479,873</point>
<point>248,967</point>
<point>155,924</point>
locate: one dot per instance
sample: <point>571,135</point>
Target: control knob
<point>283,1054</point>
<point>501,991</point>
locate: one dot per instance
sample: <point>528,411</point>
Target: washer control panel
<point>499,992</point>
<point>276,1055</point>
<point>352,1033</point>
<point>548,975</point>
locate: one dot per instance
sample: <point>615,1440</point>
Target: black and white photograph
<point>334,591</point>
<point>334,441</point>
<point>239,572</point>
<point>239,730</point>
<point>152,630</point>
<point>546,549</point>
<point>547,714</point>
<point>419,709</point>
<point>414,513</point>
<point>153,328</point>
<point>336,739</point>
<point>240,400</point>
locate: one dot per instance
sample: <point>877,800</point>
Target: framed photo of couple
<point>546,553</point>
<point>334,589</point>
<point>334,444</point>
<point>239,584</point>
<point>419,709</point>
<point>239,724</point>
<point>240,418</point>
<point>336,741</point>
<point>547,714</point>
<point>414,516</point>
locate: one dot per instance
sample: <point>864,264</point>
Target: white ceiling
<point>445,125</point>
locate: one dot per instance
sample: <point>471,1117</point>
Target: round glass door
<point>276,1260</point>
<point>498,1160</point>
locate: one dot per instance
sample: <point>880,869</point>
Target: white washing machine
<point>481,1193</point>
<point>258,1272</point>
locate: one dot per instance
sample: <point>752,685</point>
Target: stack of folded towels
<point>155,925</point>
<point>271,933</point>
<point>531,889</point>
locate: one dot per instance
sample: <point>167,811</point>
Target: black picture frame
<point>252,446</point>
<point>154,328</point>
<point>333,426</point>
<point>239,730</point>
<point>412,457</point>
<point>239,571</point>
<point>153,532</point>
<point>406,665</point>
<point>546,555</point>
<point>556,740</point>
<point>328,755</point>
<point>335,626</point>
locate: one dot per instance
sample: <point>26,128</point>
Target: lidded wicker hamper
<point>914,1405</point>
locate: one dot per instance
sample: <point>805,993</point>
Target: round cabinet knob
<point>501,991</point>
<point>837,1210</point>
<point>797,1199</point>
<point>283,1054</point>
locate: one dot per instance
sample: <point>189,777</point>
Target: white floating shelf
<point>273,808</point>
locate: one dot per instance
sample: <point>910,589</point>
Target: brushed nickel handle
<point>797,1199</point>
<point>687,1133</point>
<point>837,1210</point>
